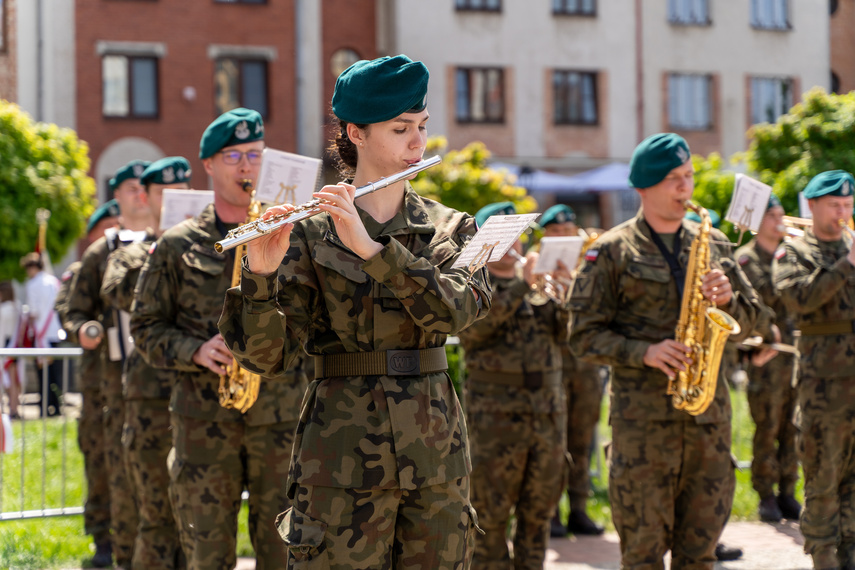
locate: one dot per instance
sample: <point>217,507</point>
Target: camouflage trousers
<point>339,529</point>
<point>519,464</point>
<point>147,439</point>
<point>826,441</point>
<point>772,401</point>
<point>123,508</point>
<point>90,438</point>
<point>210,465</point>
<point>671,486</point>
<point>584,396</point>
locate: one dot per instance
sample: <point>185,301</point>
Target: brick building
<point>8,75</point>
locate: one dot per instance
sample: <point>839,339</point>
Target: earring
<point>361,144</point>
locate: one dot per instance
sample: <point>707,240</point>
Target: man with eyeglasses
<point>217,452</point>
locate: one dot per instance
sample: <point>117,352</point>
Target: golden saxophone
<point>701,327</point>
<point>239,387</point>
<point>258,228</point>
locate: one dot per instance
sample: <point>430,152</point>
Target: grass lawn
<point>59,542</point>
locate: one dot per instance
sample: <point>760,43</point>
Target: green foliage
<point>714,188</point>
<point>817,134</point>
<point>463,180</point>
<point>43,166</point>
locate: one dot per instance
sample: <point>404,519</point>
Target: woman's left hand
<point>338,202</point>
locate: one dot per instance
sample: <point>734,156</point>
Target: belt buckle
<point>402,363</point>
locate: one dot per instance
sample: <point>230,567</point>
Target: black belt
<point>382,363</point>
<point>830,327</point>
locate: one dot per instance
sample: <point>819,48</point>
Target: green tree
<point>714,188</point>
<point>42,166</point>
<point>463,180</point>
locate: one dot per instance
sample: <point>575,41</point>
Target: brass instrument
<point>701,327</point>
<point>849,231</point>
<point>590,237</point>
<point>545,288</point>
<point>238,387</point>
<point>258,228</point>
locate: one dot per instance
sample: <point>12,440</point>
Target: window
<point>240,1</point>
<point>129,86</point>
<point>240,83</point>
<point>478,5</point>
<point>575,96</point>
<point>769,14</point>
<point>689,101</point>
<point>771,97</point>
<point>480,95</point>
<point>695,12</point>
<point>2,26</point>
<point>341,60</point>
<point>575,7</point>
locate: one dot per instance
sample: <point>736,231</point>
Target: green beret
<point>715,219</point>
<point>169,170</point>
<point>380,89</point>
<point>106,210</point>
<point>133,169</point>
<point>830,183</point>
<point>773,201</point>
<point>655,157</point>
<point>232,127</point>
<point>557,214</point>
<point>495,209</point>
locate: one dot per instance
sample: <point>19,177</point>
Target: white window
<point>771,97</point>
<point>479,5</point>
<point>575,7</point>
<point>770,14</point>
<point>480,95</point>
<point>688,12</point>
<point>689,101</point>
<point>129,86</point>
<point>575,96</point>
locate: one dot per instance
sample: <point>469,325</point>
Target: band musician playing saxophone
<point>671,480</point>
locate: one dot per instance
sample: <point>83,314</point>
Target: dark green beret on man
<point>133,169</point>
<point>494,209</point>
<point>109,209</point>
<point>169,170</point>
<point>655,157</point>
<point>380,89</point>
<point>233,127</point>
<point>557,214</point>
<point>830,183</point>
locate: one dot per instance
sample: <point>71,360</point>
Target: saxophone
<point>701,327</point>
<point>239,387</point>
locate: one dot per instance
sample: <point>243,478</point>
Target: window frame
<point>561,8</point>
<point>675,102</point>
<point>250,2</point>
<point>129,76</point>
<point>469,70</point>
<point>468,6</point>
<point>676,19</point>
<point>3,26</point>
<point>786,105</point>
<point>241,60</point>
<point>754,8</point>
<point>595,90</point>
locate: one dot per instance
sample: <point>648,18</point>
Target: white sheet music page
<point>493,239</point>
<point>178,205</point>
<point>555,249</point>
<point>804,209</point>
<point>287,178</point>
<point>750,198</point>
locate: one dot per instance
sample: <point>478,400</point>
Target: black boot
<point>556,527</point>
<point>769,510</point>
<point>790,507</point>
<point>725,553</point>
<point>580,523</point>
<point>103,557</point>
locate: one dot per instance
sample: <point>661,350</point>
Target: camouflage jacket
<point>625,299</point>
<point>518,337</point>
<point>756,263</point>
<point>814,280</point>
<point>367,431</point>
<point>139,380</point>
<point>177,301</point>
<point>89,373</point>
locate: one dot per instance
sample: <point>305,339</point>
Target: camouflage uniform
<point>218,452</point>
<point>671,480</point>
<point>146,435</point>
<point>815,281</point>
<point>397,441</point>
<point>90,426</point>
<point>517,418</point>
<point>771,395</point>
<point>85,304</point>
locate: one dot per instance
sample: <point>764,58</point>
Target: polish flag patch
<point>152,248</point>
<point>591,254</point>
<point>780,253</point>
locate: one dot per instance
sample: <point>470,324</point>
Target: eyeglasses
<point>234,156</point>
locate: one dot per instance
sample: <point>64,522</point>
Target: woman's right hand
<point>265,254</point>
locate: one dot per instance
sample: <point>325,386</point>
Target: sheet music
<point>178,205</point>
<point>804,209</point>
<point>286,177</point>
<point>750,198</point>
<point>555,249</point>
<point>493,239</point>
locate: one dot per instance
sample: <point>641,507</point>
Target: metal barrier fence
<point>17,488</point>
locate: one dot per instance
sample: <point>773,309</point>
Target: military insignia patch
<point>138,170</point>
<point>168,175</point>
<point>780,253</point>
<point>67,275</point>
<point>152,248</point>
<point>744,259</point>
<point>591,254</point>
<point>682,154</point>
<point>845,189</point>
<point>241,130</point>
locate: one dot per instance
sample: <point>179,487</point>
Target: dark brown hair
<point>7,293</point>
<point>343,150</point>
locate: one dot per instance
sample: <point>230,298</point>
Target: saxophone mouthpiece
<point>246,184</point>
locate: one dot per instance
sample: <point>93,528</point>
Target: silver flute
<point>253,230</point>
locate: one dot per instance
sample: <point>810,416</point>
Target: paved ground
<point>766,546</point>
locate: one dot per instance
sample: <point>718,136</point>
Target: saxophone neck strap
<point>670,255</point>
